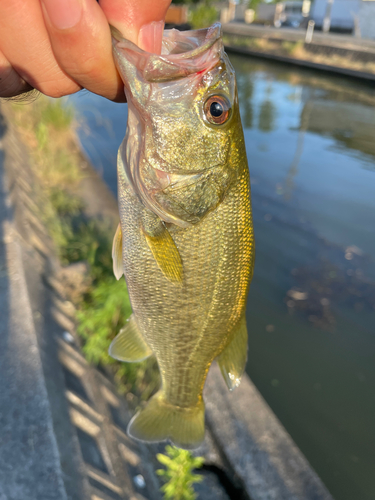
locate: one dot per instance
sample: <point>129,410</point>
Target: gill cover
<point>175,152</point>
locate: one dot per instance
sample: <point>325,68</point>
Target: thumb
<point>141,21</point>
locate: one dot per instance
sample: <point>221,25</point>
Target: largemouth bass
<point>185,242</point>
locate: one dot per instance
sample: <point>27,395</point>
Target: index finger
<point>81,42</point>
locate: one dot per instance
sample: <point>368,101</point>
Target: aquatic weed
<point>179,473</point>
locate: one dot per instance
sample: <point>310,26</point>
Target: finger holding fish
<point>140,22</point>
<point>11,83</point>
<point>81,43</point>
<point>25,44</point>
<point>61,46</point>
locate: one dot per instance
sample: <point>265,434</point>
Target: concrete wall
<point>366,18</point>
<point>341,16</point>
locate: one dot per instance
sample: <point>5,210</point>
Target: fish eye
<point>217,109</point>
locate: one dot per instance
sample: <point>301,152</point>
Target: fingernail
<point>150,37</point>
<point>63,14</point>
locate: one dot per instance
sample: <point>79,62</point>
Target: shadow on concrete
<point>29,460</point>
<point>6,372</point>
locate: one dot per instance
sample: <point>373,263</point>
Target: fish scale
<point>187,270</point>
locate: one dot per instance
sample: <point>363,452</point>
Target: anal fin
<point>232,360</point>
<point>118,270</point>
<point>129,345</point>
<point>163,248</point>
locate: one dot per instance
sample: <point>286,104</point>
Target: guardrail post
<point>309,31</point>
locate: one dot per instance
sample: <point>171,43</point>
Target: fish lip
<point>205,49</point>
<point>212,34</point>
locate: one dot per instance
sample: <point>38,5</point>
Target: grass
<point>54,114</point>
<point>101,316</point>
<point>292,48</point>
<point>203,15</point>
<point>48,128</point>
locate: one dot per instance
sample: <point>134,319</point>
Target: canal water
<point>310,141</point>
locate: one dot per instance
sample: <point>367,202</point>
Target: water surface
<point>310,140</point>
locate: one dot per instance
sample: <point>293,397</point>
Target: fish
<point>185,241</point>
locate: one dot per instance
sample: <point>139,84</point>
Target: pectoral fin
<point>129,345</point>
<point>118,270</point>
<point>233,359</point>
<point>163,248</point>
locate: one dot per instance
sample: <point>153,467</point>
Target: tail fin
<point>160,421</point>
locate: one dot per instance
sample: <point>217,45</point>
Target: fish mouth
<point>183,53</point>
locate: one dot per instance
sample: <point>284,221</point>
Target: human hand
<point>61,46</point>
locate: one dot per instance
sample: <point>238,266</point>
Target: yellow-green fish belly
<point>188,324</point>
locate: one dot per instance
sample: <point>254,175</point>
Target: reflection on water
<point>293,170</point>
<point>267,112</point>
<point>323,284</point>
<point>102,126</point>
<point>312,302</point>
<point>311,312</point>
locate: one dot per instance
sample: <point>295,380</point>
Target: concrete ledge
<point>29,457</point>
<point>329,40</point>
<point>369,77</point>
<point>57,432</point>
<point>258,448</point>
